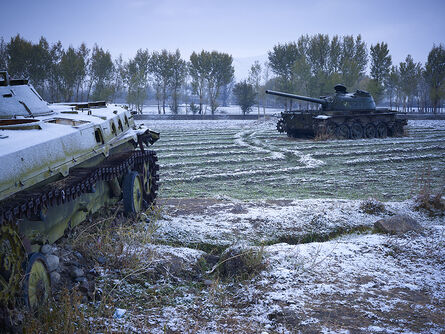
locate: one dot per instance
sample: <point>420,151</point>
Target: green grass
<point>253,161</point>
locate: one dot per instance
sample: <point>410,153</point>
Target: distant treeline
<point>314,64</point>
<point>310,66</point>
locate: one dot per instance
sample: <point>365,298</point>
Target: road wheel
<point>150,178</point>
<point>280,126</point>
<point>37,285</point>
<point>382,130</point>
<point>331,128</point>
<point>356,130</point>
<point>132,193</point>
<point>343,131</point>
<point>145,174</point>
<point>12,256</point>
<point>369,130</point>
<point>397,129</point>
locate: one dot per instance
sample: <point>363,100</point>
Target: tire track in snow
<point>305,159</point>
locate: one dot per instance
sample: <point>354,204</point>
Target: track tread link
<point>80,180</point>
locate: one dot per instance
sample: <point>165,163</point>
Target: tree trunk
<point>77,91</point>
<point>163,98</point>
<point>264,107</point>
<point>90,84</point>
<point>201,96</point>
<point>175,101</point>
<point>259,97</point>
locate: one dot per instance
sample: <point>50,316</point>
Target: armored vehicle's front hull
<point>58,164</point>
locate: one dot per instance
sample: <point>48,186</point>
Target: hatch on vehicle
<point>66,121</point>
<point>19,124</point>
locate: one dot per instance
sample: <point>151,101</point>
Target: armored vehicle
<point>342,115</point>
<point>58,164</point>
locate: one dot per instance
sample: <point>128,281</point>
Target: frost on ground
<point>224,222</point>
<point>298,203</point>
<point>353,279</point>
<point>251,160</point>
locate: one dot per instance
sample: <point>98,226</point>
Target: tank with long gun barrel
<point>342,115</point>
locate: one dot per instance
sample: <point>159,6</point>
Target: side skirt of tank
<point>297,128</point>
<point>51,224</point>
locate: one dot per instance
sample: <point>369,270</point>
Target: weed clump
<point>240,262</point>
<point>432,202</point>
<point>114,240</point>
<point>63,315</point>
<point>323,134</point>
<point>371,206</point>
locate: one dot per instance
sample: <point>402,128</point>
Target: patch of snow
<point>119,313</point>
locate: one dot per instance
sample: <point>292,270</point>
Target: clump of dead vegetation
<point>433,204</point>
<point>240,262</point>
<point>372,206</point>
<point>113,239</point>
<point>107,239</point>
<point>63,314</point>
<point>323,134</point>
<point>428,200</point>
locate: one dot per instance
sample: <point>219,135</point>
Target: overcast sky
<point>242,28</point>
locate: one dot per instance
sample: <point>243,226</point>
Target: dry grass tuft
<point>323,135</point>
<point>428,200</point>
<point>110,235</point>
<point>63,315</point>
<point>115,238</point>
<point>372,206</point>
<point>240,263</point>
<point>433,204</point>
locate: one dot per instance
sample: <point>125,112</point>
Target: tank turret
<point>342,115</point>
<point>19,98</point>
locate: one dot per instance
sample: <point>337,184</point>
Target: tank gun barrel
<point>297,97</point>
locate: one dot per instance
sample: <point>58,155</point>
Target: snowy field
<point>326,270</point>
<point>251,160</point>
<point>355,281</point>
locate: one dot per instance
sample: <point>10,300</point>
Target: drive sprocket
<point>281,126</point>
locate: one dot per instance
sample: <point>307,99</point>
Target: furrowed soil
<point>251,160</point>
<point>319,265</point>
<point>231,182</point>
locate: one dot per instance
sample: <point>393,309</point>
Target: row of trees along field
<point>310,66</point>
<point>82,74</point>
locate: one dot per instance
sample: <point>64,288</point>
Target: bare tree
<point>179,72</point>
<point>255,80</point>
<point>160,68</point>
<point>198,67</point>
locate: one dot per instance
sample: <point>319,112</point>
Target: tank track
<point>80,180</point>
<point>393,128</point>
<point>29,203</point>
